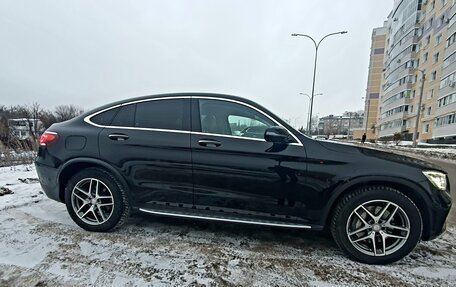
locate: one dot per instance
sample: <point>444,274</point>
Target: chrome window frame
<point>87,118</point>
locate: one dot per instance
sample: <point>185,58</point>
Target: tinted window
<point>104,118</point>
<point>125,117</point>
<point>163,114</point>
<point>227,118</point>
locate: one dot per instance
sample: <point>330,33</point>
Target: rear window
<point>125,117</point>
<point>104,118</point>
<point>172,114</point>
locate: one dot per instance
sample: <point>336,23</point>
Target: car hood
<point>370,152</point>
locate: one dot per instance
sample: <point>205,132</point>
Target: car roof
<point>170,95</point>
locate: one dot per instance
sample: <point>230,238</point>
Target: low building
<point>24,128</point>
<point>340,125</point>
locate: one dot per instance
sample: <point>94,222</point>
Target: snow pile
<point>22,183</point>
<point>441,151</point>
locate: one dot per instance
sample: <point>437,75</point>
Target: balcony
<point>444,131</point>
<point>447,90</point>
<point>391,131</point>
<point>445,109</point>
<point>395,88</point>
<point>398,102</point>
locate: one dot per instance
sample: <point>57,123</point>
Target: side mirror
<point>277,134</point>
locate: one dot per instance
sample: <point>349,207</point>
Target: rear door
<point>149,143</point>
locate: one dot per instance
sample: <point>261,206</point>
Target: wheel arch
<point>417,194</point>
<point>73,166</point>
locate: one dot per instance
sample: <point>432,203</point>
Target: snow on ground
<point>22,180</point>
<point>41,246</point>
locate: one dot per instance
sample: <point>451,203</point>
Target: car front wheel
<point>376,225</point>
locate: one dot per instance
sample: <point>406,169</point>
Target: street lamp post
<point>308,114</point>
<point>418,113</point>
<point>317,45</point>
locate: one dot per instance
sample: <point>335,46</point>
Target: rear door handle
<point>118,137</point>
<point>209,143</point>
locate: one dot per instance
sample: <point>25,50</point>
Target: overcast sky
<point>90,53</point>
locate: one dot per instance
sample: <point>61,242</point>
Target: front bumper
<point>438,214</point>
<point>48,180</point>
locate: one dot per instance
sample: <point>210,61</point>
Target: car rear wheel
<point>376,225</point>
<point>96,201</point>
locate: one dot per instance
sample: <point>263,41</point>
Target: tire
<point>393,223</point>
<point>95,211</point>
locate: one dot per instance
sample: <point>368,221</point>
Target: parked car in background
<point>182,155</point>
<point>320,137</point>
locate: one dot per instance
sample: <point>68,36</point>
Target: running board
<point>266,223</point>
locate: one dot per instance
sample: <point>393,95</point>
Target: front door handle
<point>118,137</point>
<point>209,143</point>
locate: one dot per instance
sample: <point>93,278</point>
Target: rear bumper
<point>49,180</point>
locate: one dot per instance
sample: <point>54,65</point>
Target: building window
<point>428,40</point>
<point>445,120</point>
<point>449,60</point>
<point>449,99</point>
<point>441,21</point>
<point>426,128</point>
<point>429,109</point>
<point>438,39</point>
<point>433,75</point>
<point>448,81</point>
<point>436,57</point>
<point>425,57</point>
<point>451,39</point>
<point>428,24</point>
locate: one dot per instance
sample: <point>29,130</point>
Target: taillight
<point>48,138</point>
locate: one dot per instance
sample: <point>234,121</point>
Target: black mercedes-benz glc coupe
<point>191,155</point>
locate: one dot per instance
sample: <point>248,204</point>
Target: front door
<point>236,172</point>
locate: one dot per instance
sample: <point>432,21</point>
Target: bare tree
<point>32,115</point>
<point>66,112</point>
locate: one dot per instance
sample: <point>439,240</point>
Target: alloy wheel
<point>92,201</point>
<point>378,227</point>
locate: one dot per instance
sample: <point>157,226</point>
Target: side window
<point>227,118</point>
<point>104,118</point>
<point>125,117</point>
<point>172,114</point>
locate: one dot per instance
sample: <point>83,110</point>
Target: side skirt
<point>224,219</point>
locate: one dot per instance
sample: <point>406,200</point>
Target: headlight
<point>437,178</point>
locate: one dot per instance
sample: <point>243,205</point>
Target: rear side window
<point>125,117</point>
<point>104,118</point>
<point>172,114</point>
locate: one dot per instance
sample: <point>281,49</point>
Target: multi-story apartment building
<point>445,106</point>
<point>415,46</point>
<point>374,81</point>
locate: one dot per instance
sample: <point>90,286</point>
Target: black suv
<point>191,155</point>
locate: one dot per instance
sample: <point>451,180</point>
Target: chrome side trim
<point>225,219</point>
<point>87,118</point>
